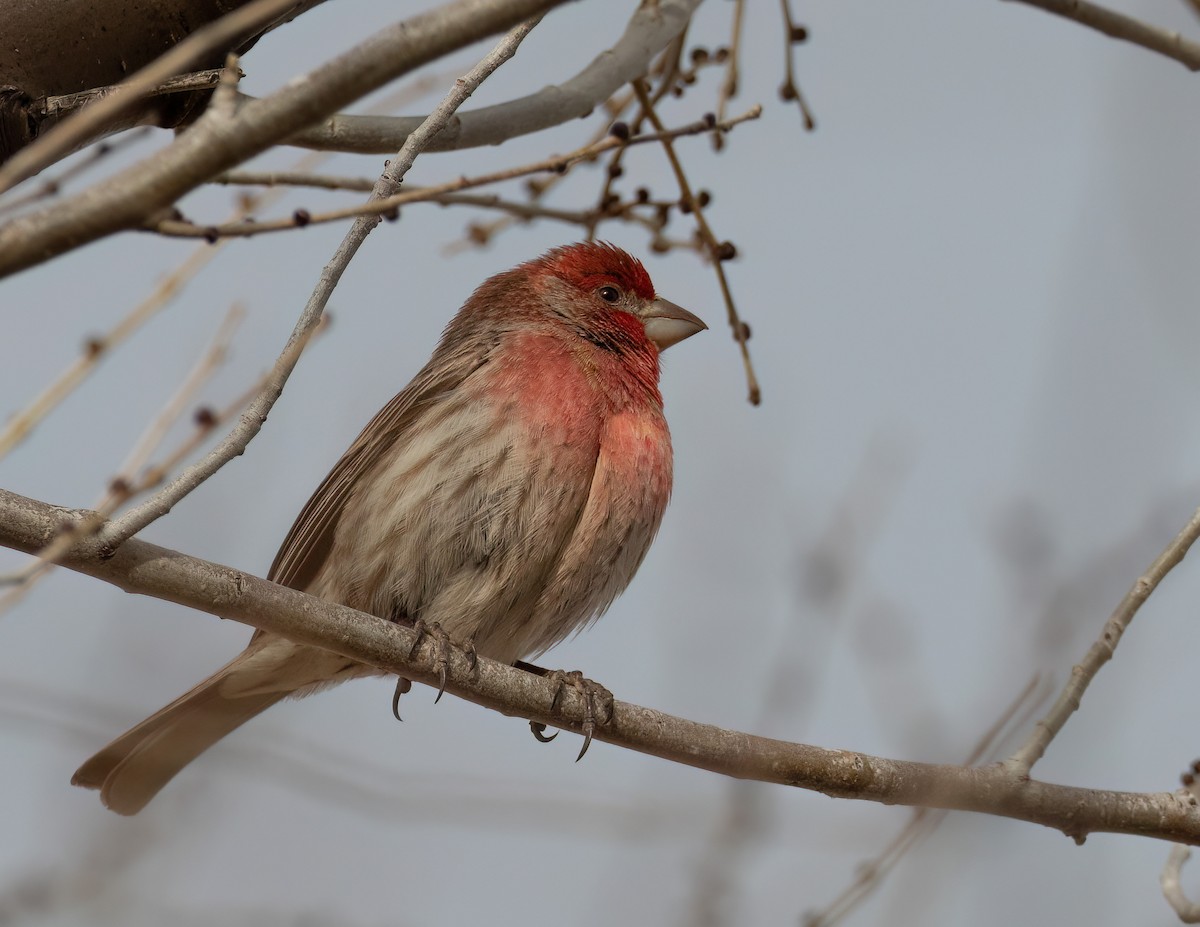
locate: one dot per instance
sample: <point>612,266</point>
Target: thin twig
<point>1187,910</point>
<point>668,71</point>
<point>716,250</point>
<point>1102,650</point>
<point>1126,28</point>
<point>481,234</point>
<point>129,481</point>
<point>521,211</point>
<point>374,208</point>
<point>121,491</point>
<point>252,419</point>
<point>729,85</point>
<point>53,185</point>
<point>793,34</point>
<point>97,348</point>
<point>154,435</point>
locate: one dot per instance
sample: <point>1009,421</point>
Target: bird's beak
<point>668,324</point>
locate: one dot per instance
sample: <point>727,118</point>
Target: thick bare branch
<point>650,30</point>
<point>215,144</point>
<point>146,569</point>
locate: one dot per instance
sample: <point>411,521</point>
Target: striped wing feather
<point>310,539</point>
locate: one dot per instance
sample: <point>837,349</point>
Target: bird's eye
<point>610,294</point>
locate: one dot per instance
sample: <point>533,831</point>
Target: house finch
<point>507,495</point>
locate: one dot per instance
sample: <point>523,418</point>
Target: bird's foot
<point>471,655</point>
<point>597,702</point>
<point>441,650</point>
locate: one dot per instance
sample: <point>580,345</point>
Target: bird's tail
<point>133,768</point>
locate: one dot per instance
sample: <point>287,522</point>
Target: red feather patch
<point>590,264</point>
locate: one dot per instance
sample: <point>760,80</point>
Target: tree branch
<point>1187,910</point>
<point>1125,28</point>
<point>650,30</point>
<point>215,144</point>
<point>718,252</point>
<point>146,569</point>
<point>377,206</point>
<point>1102,649</point>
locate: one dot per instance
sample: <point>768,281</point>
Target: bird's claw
<point>441,654</point>
<point>539,732</point>
<point>594,696</point>
<point>402,685</point>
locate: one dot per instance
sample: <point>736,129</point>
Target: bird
<point>505,497</point>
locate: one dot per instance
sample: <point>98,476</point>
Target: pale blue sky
<point>972,291</point>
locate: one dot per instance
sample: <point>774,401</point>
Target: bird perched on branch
<point>505,497</point>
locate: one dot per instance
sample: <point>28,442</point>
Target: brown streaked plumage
<point>507,494</point>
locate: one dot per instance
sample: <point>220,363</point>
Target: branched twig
<point>1102,650</point>
<point>28,525</point>
<point>134,476</point>
<point>97,348</point>
<point>667,72</point>
<point>51,186</point>
<point>1126,28</point>
<point>793,34</point>
<point>520,211</point>
<point>154,435</point>
<point>388,205</point>
<point>253,409</point>
<point>252,419</point>
<point>718,251</point>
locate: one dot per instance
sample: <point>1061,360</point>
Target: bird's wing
<point>309,541</point>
